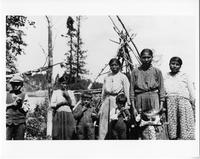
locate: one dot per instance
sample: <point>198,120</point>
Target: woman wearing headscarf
<point>114,83</point>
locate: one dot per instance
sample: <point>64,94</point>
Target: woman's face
<point>174,66</point>
<point>146,58</point>
<point>114,67</point>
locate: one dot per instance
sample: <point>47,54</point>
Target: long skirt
<point>63,126</point>
<point>147,101</point>
<point>104,111</point>
<point>180,118</point>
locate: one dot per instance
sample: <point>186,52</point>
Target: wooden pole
<point>128,35</point>
<point>49,78</point>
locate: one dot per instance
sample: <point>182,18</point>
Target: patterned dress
<point>147,90</point>
<point>180,111</point>
<point>113,85</point>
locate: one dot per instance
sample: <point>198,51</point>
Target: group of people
<point>149,96</point>
<point>138,106</point>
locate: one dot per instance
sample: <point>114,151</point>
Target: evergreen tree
<point>75,57</point>
<point>80,53</point>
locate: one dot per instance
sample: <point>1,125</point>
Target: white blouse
<point>178,85</point>
<point>117,83</point>
<point>58,97</point>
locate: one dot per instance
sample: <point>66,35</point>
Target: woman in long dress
<point>114,84</point>
<point>180,102</point>
<point>63,119</point>
<point>147,91</point>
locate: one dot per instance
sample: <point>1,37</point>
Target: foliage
<point>36,122</point>
<point>36,82</point>
<point>81,84</point>
<point>75,57</point>
<point>97,85</point>
<point>14,40</point>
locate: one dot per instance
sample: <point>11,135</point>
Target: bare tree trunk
<point>49,78</point>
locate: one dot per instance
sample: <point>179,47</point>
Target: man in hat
<point>85,115</point>
<point>16,109</point>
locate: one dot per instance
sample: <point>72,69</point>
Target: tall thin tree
<point>49,76</point>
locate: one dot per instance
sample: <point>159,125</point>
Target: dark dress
<point>63,120</point>
<point>147,90</point>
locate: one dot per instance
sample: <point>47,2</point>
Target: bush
<point>36,122</point>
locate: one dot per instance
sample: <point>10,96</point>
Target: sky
<point>167,36</point>
<point>169,27</point>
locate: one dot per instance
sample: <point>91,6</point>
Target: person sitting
<point>85,115</point>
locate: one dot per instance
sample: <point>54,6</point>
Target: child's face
<point>174,66</point>
<point>120,105</point>
<point>86,101</point>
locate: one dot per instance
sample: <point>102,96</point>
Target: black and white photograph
<point>107,81</point>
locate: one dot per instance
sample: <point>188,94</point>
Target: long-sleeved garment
<point>63,120</point>
<point>85,122</point>
<point>179,109</point>
<point>16,116</point>
<point>147,88</point>
<point>112,86</point>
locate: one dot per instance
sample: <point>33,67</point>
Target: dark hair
<point>121,98</point>
<point>114,60</point>
<point>149,51</point>
<point>178,59</point>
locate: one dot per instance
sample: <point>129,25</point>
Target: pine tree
<point>80,53</point>
<point>70,54</point>
<point>75,57</point>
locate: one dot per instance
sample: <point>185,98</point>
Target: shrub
<point>36,122</point>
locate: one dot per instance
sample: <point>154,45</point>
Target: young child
<point>16,109</point>
<point>85,115</point>
<point>119,116</point>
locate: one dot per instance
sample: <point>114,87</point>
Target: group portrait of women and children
<point>145,106</point>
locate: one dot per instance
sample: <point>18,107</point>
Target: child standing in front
<point>85,115</point>
<point>119,117</point>
<point>17,107</point>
